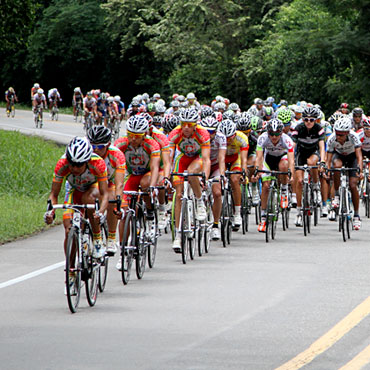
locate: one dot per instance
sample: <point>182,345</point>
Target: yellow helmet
<point>11,89</point>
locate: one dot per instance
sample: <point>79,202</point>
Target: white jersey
<point>51,94</point>
<point>217,143</point>
<point>284,145</point>
<point>352,142</point>
<point>39,99</point>
<point>89,102</point>
<point>364,140</point>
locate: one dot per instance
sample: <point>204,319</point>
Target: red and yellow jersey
<point>161,139</point>
<point>191,146</point>
<point>238,144</point>
<point>96,170</point>
<point>138,159</point>
<point>115,161</point>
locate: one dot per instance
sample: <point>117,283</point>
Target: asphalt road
<point>298,301</point>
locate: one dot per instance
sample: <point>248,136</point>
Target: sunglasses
<point>367,128</point>
<point>341,134</point>
<point>309,119</point>
<point>98,146</point>
<point>76,164</point>
<point>188,124</point>
<point>134,134</point>
<point>274,133</point>
<point>211,131</point>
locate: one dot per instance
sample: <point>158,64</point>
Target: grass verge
<point>22,106</point>
<point>26,165</point>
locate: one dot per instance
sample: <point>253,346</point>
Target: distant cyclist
<point>76,100</point>
<point>54,97</point>
<point>39,101</point>
<point>10,97</point>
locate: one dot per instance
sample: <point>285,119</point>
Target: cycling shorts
<point>132,183</point>
<point>349,160</point>
<point>271,163</point>
<point>366,154</point>
<point>182,163</point>
<point>303,155</point>
<point>233,162</point>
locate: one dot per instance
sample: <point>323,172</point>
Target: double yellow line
<point>333,336</point>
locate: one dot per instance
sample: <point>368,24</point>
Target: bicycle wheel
<point>230,205</point>
<point>173,222</point>
<point>275,214</point>
<point>141,245</point>
<point>152,247</point>
<point>269,216</point>
<point>184,230</point>
<point>127,247</point>
<point>73,267</point>
<point>103,271</point>
<point>305,205</point>
<point>284,212</point>
<point>13,111</point>
<point>194,228</point>
<point>200,239</point>
<point>245,209</point>
<point>37,121</point>
<point>225,220</point>
<point>367,199</point>
<point>92,273</point>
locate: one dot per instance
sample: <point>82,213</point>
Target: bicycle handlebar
<point>343,169</point>
<point>306,168</point>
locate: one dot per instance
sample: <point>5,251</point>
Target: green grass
<point>21,106</point>
<point>26,167</point>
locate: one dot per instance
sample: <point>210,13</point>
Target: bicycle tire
<point>13,111</point>
<point>230,205</point>
<point>184,231</point>
<point>245,208</point>
<point>141,245</point>
<point>305,209</point>
<point>173,221</point>
<point>73,264</point>
<point>269,212</point>
<point>200,239</point>
<point>275,216</point>
<point>127,247</point>
<point>283,218</point>
<point>92,273</point>
<point>192,240</point>
<point>103,271</point>
<point>225,220</point>
<point>152,247</point>
<point>367,199</point>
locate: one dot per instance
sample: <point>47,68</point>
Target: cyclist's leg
<point>337,163</point>
<point>196,166</point>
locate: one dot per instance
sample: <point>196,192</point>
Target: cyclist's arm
<point>358,152</point>
<point>259,159</point>
<point>322,150</point>
<point>104,195</point>
<point>118,180</point>
<point>244,160</point>
<point>329,157</point>
<point>6,98</point>
<point>154,169</point>
<point>55,190</point>
<point>221,161</point>
<point>166,156</point>
<point>206,160</point>
<point>291,162</point>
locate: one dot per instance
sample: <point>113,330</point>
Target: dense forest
<point>313,50</point>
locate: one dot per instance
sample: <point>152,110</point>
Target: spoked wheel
<point>342,221</point>
<point>152,248</point>
<point>73,270</point>
<point>91,284</point>
<point>225,221</point>
<point>306,210</point>
<point>141,250</point>
<point>349,225</point>
<point>268,228</point>
<point>127,247</point>
<point>192,240</point>
<point>229,230</point>
<point>103,271</point>
<point>37,122</point>
<point>245,209</point>
<point>201,237</point>
<point>184,232</point>
<point>315,215</point>
<point>173,222</point>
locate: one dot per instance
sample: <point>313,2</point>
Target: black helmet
<point>357,112</point>
<point>99,135</point>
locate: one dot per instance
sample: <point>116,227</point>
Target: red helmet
<point>344,105</point>
<point>142,109</point>
<point>174,96</point>
<point>218,116</point>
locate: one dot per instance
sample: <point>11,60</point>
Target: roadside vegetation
<point>22,106</point>
<point>26,167</point>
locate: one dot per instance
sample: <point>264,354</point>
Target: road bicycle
<point>273,203</point>
<point>90,121</point>
<point>365,188</point>
<point>80,265</point>
<point>11,109</point>
<point>114,126</point>
<point>310,199</point>
<point>54,111</point>
<point>78,112</point>
<point>344,212</point>
<point>38,117</point>
<point>188,224</point>
<point>139,241</point>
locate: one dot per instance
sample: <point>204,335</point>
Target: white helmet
<point>36,86</point>
<point>156,96</point>
<point>227,127</point>
<point>343,124</point>
<point>117,98</point>
<point>219,98</point>
<point>137,124</point>
<point>79,150</point>
<point>55,90</point>
<point>190,96</point>
<point>40,91</point>
<point>145,96</point>
<point>77,89</point>
<point>189,115</point>
<point>110,99</point>
<point>220,106</point>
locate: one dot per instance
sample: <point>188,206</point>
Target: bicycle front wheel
<point>92,273</point>
<point>103,271</point>
<point>184,229</point>
<point>127,247</point>
<point>141,245</point>
<point>73,271</point>
<point>152,248</point>
<point>245,209</point>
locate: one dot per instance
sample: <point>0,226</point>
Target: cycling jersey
<point>191,146</point>
<point>252,139</point>
<point>284,145</point>
<point>39,99</point>
<point>308,139</point>
<point>115,162</point>
<point>96,170</point>
<point>77,97</point>
<point>9,95</point>
<point>89,103</point>
<point>352,142</point>
<point>53,96</point>
<point>217,143</point>
<point>161,139</point>
<point>102,106</point>
<point>121,106</point>
<point>138,159</point>
<point>238,144</point>
<point>364,140</point>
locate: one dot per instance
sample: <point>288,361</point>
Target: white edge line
<point>31,275</point>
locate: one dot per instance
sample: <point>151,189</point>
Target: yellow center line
<point>330,338</point>
<point>358,362</point>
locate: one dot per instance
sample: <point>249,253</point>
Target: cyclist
<point>54,97</point>
<point>235,108</point>
<point>193,144</point>
<point>89,105</point>
<point>100,138</point>
<point>220,107</point>
<point>192,101</point>
<point>121,107</point>
<point>217,157</point>
<point>10,96</point>
<point>257,109</point>
<point>102,108</point>
<point>133,108</point>
<point>39,101</point>
<point>112,109</point>
<point>169,123</point>
<point>269,113</point>
<point>309,139</point>
<point>76,100</point>
<point>285,116</point>
<point>344,149</point>
<point>34,89</point>
<point>142,163</point>
<point>275,151</point>
<point>236,159</point>
<point>364,135</point>
<point>357,118</point>
<point>174,106</point>
<point>86,179</point>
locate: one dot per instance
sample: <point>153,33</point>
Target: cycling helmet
<point>175,104</point>
<point>217,115</point>
<point>79,150</point>
<point>99,134</point>
<point>77,89</point>
<point>258,101</point>
<point>110,99</point>
<point>227,127</point>
<point>157,120</point>
<point>205,111</point>
<point>318,106</point>
<point>137,124</point>
<point>11,89</point>
<point>189,115</point>
<point>283,102</point>
<point>335,116</point>
<point>181,98</point>
<point>275,125</point>
<point>269,100</point>
<point>219,98</point>
<point>174,96</point>
<point>190,96</point>
<point>36,85</point>
<point>156,96</point>
<point>357,112</point>
<point>220,106</point>
<point>344,105</point>
<point>89,93</point>
<point>159,108</point>
<point>297,108</point>
<point>117,98</point>
<point>343,124</point>
<point>366,122</point>
<point>234,107</point>
<point>145,96</point>
<point>135,103</point>
<point>269,111</point>
<point>244,122</point>
<point>256,123</point>
<point>103,96</point>
<point>40,91</point>
<point>229,114</point>
<point>209,123</point>
<point>311,112</point>
<point>285,116</point>
<point>169,122</point>
<point>97,91</point>
<point>148,117</point>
